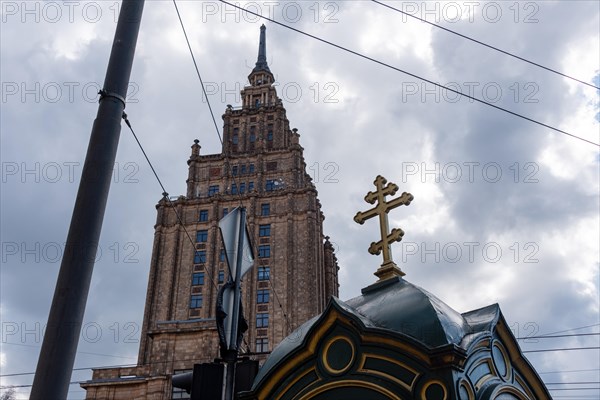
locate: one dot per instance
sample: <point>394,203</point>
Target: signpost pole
<point>236,270</point>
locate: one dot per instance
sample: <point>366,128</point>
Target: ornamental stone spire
<point>261,62</point>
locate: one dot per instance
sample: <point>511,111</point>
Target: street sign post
<point>240,259</point>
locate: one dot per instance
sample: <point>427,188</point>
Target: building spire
<point>261,62</point>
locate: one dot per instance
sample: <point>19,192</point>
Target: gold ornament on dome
<point>388,268</point>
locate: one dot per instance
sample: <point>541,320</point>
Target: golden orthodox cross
<point>388,268</point>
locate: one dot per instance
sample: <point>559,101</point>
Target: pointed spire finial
<point>261,62</point>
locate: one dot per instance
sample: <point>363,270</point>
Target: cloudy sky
<point>505,210</point>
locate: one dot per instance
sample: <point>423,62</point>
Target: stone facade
<point>262,168</point>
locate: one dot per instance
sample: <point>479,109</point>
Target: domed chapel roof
<point>397,307</point>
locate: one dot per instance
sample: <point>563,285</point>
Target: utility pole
<point>59,346</point>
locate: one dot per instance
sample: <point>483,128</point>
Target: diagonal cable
<point>485,44</point>
<point>198,72</point>
<point>166,196</point>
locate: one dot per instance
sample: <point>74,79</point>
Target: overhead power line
<point>485,44</point>
<point>558,336</point>
<point>572,329</point>
<point>74,369</point>
<point>571,383</point>
<point>28,386</point>
<point>569,371</point>
<point>356,53</point>
<point>562,349</point>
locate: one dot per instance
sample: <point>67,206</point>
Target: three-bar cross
<point>388,268</point>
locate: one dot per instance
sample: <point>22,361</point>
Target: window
<point>251,169</point>
<point>225,212</point>
<point>221,276</point>
<point>234,170</point>
<point>270,185</point>
<point>203,216</point>
<point>264,251</point>
<point>264,230</point>
<point>200,257</point>
<point>234,189</point>
<point>201,236</point>
<point>250,186</point>
<point>270,132</point>
<point>196,301</point>
<point>198,279</point>
<point>262,296</point>
<point>243,168</point>
<point>262,320</point>
<point>265,209</point>
<point>272,166</point>
<point>262,345</point>
<point>252,135</point>
<point>236,137</point>
<point>212,190</point>
<point>264,273</point>
<point>222,255</point>
<point>242,187</point>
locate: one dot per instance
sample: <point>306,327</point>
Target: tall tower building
<point>261,167</point>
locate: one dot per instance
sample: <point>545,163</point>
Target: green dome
<point>395,305</point>
<point>402,307</point>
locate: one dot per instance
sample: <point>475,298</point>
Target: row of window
<point>242,189</point>
<point>198,278</point>
<point>265,210</point>
<point>273,184</point>
<point>262,297</point>
<point>202,236</point>
<point>264,274</point>
<point>270,185</point>
<point>264,251</point>
<point>235,139</point>
<point>270,117</point>
<point>242,169</point>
